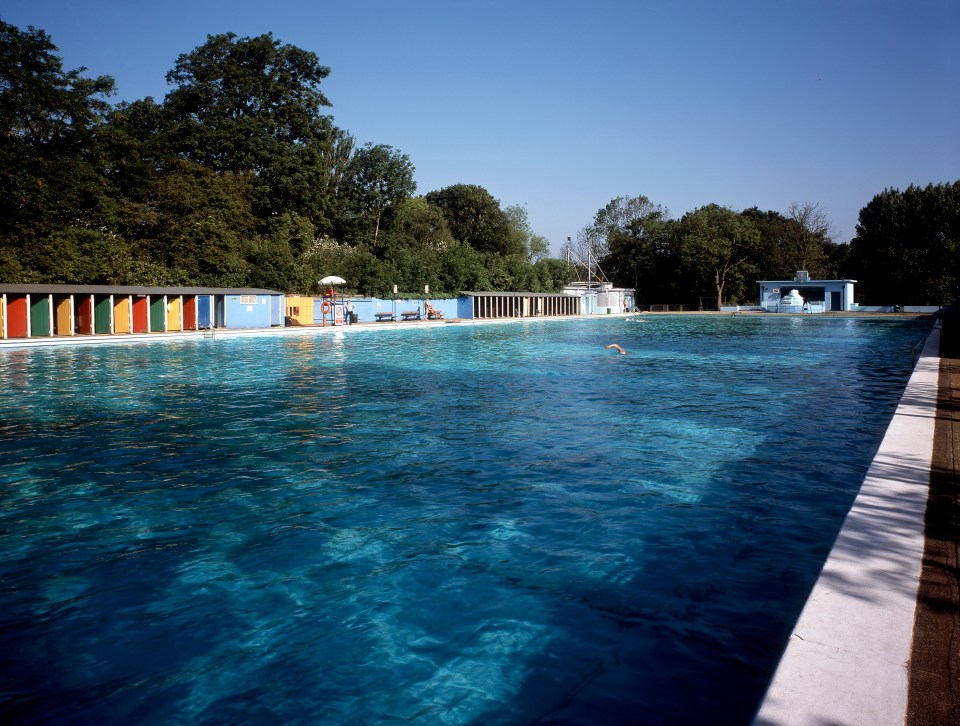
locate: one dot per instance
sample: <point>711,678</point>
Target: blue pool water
<point>453,525</point>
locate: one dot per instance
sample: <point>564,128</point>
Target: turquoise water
<point>456,525</point>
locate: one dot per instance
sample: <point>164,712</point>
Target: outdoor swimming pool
<point>457,524</point>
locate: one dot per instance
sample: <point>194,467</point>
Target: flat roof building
<point>803,295</point>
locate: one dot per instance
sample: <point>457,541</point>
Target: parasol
<point>332,280</point>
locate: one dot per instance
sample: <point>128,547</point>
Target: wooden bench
<point>382,317</point>
<point>410,315</point>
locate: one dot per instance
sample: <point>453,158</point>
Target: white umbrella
<point>332,280</point>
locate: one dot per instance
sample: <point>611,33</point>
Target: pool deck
<point>878,641</point>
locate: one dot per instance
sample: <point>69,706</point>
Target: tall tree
<point>419,224</point>
<point>618,244</point>
<point>254,105</point>
<point>907,246</point>
<point>808,236</point>
<point>42,105</point>
<point>51,177</point>
<point>136,147</point>
<point>476,218</point>
<point>336,157</point>
<point>773,257</point>
<point>200,227</point>
<point>522,235</point>
<point>239,101</point>
<point>593,241</point>
<point>377,179</point>
<point>634,232</point>
<point>717,243</point>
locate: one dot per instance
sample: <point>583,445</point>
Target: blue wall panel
<point>246,311</point>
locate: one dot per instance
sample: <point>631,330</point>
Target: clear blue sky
<point>562,106</point>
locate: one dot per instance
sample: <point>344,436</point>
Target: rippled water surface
<point>457,525</point>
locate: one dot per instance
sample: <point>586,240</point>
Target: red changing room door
<point>18,313</point>
<point>141,314</point>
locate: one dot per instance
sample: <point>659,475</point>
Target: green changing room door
<point>101,316</point>
<point>39,316</point>
<point>158,314</point>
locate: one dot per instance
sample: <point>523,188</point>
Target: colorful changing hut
<point>41,311</point>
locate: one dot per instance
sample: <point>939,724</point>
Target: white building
<point>801,294</point>
<point>602,297</point>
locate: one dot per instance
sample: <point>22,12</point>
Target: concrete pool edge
<point>847,659</point>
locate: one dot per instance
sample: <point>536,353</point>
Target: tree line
<point>239,177</point>
<point>906,249</point>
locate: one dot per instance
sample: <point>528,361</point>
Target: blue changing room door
<point>203,311</point>
<point>276,310</point>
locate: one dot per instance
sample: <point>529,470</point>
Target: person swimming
<point>615,347</point>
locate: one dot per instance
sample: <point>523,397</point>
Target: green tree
<point>462,269</point>
<point>239,102</point>
<point>774,257</point>
<point>632,230</point>
<point>370,275</point>
<point>276,256</point>
<point>614,220</point>
<point>135,145</point>
<point>202,226</point>
<point>254,105</point>
<point>523,237</point>
<point>335,160</point>
<point>476,218</point>
<point>553,274</point>
<point>417,223</point>
<point>836,259</point>
<point>807,237</point>
<point>377,179</point>
<point>717,244</point>
<point>907,246</point>
<point>42,105</point>
<point>51,178</point>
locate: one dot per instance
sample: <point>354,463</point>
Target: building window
<point>248,299</point>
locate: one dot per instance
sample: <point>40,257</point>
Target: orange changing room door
<point>121,315</point>
<point>141,314</point>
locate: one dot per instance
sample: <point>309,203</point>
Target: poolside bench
<point>410,315</point>
<point>382,317</point>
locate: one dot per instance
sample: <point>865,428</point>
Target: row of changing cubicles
<point>49,311</point>
<point>38,311</point>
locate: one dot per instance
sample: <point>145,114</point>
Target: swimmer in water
<point>615,347</point>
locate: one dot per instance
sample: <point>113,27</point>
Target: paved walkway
<point>871,647</point>
<point>934,676</point>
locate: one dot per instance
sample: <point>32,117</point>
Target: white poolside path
<point>846,662</point>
